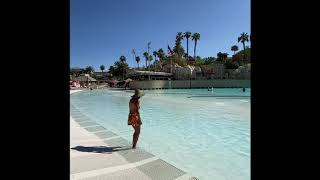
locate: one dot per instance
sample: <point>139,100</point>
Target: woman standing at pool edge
<point>134,116</point>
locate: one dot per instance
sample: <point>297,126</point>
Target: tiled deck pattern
<point>99,154</point>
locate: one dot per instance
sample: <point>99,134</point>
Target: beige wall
<point>153,84</point>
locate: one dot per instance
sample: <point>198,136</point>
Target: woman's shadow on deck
<point>100,149</point>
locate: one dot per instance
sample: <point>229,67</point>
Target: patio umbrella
<point>113,82</point>
<point>128,80</point>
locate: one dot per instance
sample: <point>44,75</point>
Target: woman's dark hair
<point>135,97</point>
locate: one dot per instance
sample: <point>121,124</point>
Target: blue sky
<point>103,30</point>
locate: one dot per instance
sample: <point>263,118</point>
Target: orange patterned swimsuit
<point>134,118</point>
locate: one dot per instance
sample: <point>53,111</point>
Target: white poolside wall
<point>219,83</point>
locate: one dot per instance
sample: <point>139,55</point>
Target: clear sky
<point>103,30</point>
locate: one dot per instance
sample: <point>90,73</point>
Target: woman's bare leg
<point>135,135</point>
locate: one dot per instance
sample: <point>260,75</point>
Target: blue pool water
<point>208,137</point>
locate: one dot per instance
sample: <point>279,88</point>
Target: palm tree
<point>102,68</point>
<point>149,43</point>
<point>161,54</point>
<point>155,64</point>
<point>111,70</point>
<point>134,52</point>
<point>179,36</point>
<point>89,70</point>
<point>122,60</point>
<point>146,56</point>
<point>155,54</point>
<point>219,56</point>
<point>187,35</point>
<point>150,59</point>
<point>243,38</point>
<point>178,47</point>
<point>138,60</point>
<point>120,69</point>
<point>195,38</point>
<point>234,49</point>
<point>224,56</point>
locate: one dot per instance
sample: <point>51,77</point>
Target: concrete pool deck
<point>97,153</point>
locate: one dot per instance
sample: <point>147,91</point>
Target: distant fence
<point>174,84</point>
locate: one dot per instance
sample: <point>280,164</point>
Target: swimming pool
<point>204,133</point>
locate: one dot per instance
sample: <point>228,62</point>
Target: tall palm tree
<point>219,56</point>
<point>112,71</point>
<point>234,49</point>
<point>195,38</point>
<point>149,43</point>
<point>89,70</point>
<point>134,54</point>
<point>156,62</point>
<point>150,58</point>
<point>179,36</point>
<point>120,69</point>
<point>146,56</point>
<point>178,47</point>
<point>187,35</point>
<point>102,68</point>
<point>138,60</point>
<point>155,54</point>
<point>243,38</point>
<point>122,60</point>
<point>224,56</point>
<point>161,54</point>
